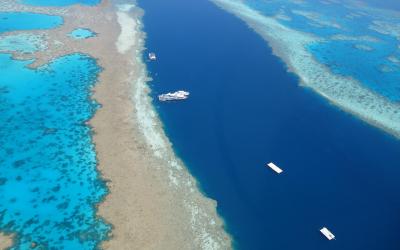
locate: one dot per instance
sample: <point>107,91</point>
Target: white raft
<point>328,234</point>
<point>275,167</point>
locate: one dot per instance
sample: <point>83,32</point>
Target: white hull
<point>152,56</point>
<point>175,96</point>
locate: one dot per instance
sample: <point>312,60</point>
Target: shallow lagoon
<point>369,38</point>
<point>13,21</point>
<point>81,33</point>
<point>49,184</point>
<point>25,43</point>
<point>47,157</point>
<point>60,2</point>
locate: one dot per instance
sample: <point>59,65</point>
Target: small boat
<point>328,234</point>
<point>275,167</point>
<point>152,56</point>
<point>178,95</point>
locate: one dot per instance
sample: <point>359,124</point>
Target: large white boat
<point>178,95</point>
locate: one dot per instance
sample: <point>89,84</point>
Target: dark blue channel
<point>245,110</point>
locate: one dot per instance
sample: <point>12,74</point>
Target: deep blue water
<point>245,110</point>
<point>60,2</point>
<point>10,21</point>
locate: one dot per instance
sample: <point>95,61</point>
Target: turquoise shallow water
<point>60,2</point>
<point>48,178</point>
<point>49,184</point>
<point>25,43</point>
<point>11,21</point>
<point>360,42</point>
<point>47,157</point>
<point>82,33</point>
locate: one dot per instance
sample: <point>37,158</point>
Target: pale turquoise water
<point>48,179</point>
<point>25,43</point>
<point>82,33</point>
<point>49,184</point>
<point>360,42</point>
<point>60,2</point>
<point>11,21</point>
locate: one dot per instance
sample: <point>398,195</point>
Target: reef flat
<point>5,241</point>
<point>292,46</point>
<point>151,201</point>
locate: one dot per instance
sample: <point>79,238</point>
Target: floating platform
<point>328,234</point>
<point>275,167</point>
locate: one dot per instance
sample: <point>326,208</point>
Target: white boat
<point>328,234</point>
<point>275,167</point>
<point>152,56</point>
<point>178,95</point>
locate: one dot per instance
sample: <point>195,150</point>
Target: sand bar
<point>5,241</point>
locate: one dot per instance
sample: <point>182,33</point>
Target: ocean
<point>246,110</point>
